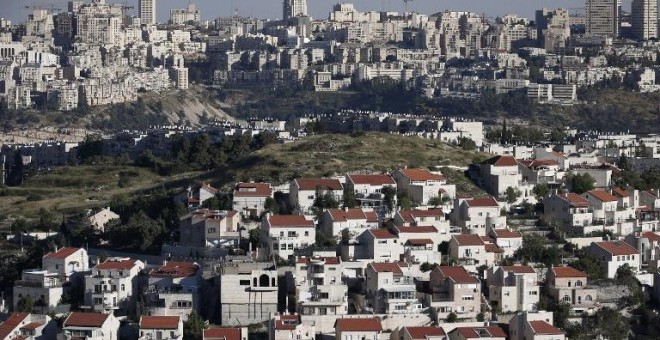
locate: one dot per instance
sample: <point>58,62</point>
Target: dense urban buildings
<point>603,17</point>
<point>644,17</point>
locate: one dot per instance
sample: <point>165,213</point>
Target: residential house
<point>319,286</point>
<point>614,254</point>
<point>418,333</point>
<point>28,326</point>
<point>282,234</point>
<point>608,213</point>
<point>112,286</point>
<point>541,171</point>
<point>304,191</point>
<point>66,261</point>
<point>627,198</point>
<point>422,185</point>
<point>454,290</point>
<point>174,289</point>
<point>513,288</point>
<point>369,191</point>
<point>249,292</point>
<point>250,198</point>
<point>568,210</point>
<point>507,240</point>
<point>425,217</point>
<point>99,219</point>
<point>472,250</point>
<point>358,328</point>
<point>477,332</point>
<point>648,245</point>
<point>91,326</point>
<point>349,222</point>
<point>287,327</point>
<point>390,289</point>
<point>379,245</point>
<point>650,199</point>
<point>161,327</point>
<point>534,326</point>
<point>569,285</point>
<point>210,228</point>
<point>225,333</point>
<point>499,173</point>
<point>196,197</point>
<point>473,215</point>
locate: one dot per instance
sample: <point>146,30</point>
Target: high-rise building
<point>99,23</point>
<point>185,15</point>
<point>294,8</point>
<point>147,11</point>
<point>553,28</point>
<point>603,17</point>
<point>644,17</point>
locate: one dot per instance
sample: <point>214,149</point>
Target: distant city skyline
<point>272,9</point>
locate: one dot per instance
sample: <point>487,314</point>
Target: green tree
<point>436,201</point>
<point>25,304</point>
<point>271,206</point>
<point>404,201</point>
<point>607,323</point>
<point>467,144</point>
<point>349,197</point>
<point>590,265</point>
<point>481,317</point>
<point>193,328</point>
<point>389,194</point>
<point>541,191</point>
<point>581,183</point>
<point>451,317</point>
<point>512,194</point>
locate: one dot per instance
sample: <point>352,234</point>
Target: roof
<point>536,163</point>
<point>482,202</point>
<point>175,269</point>
<point>420,241</point>
<point>542,327</point>
<point>375,179</point>
<point>208,188</point>
<point>253,190</point>
<point>602,195</point>
<point>287,322</point>
<point>409,216</point>
<point>617,248</point>
<point>651,236</point>
<point>288,221</point>
<point>424,332</point>
<point>386,267</point>
<point>116,264</point>
<point>519,269</point>
<point>381,233</point>
<point>417,229</point>
<point>493,248</point>
<point>341,215</point>
<point>62,253</point>
<point>567,272</point>
<point>79,319</point>
<point>468,240</point>
<point>422,175</point>
<point>227,333</point>
<point>33,325</point>
<point>458,274</point>
<point>159,322</point>
<point>327,260</point>
<point>11,323</point>
<point>575,200</point>
<point>501,161</point>
<point>481,332</point>
<point>314,183</point>
<point>506,233</point>
<point>359,325</point>
<point>620,192</point>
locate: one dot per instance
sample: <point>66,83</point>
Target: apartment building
<point>112,286</point>
<point>513,288</point>
<point>248,293</point>
<point>282,234</point>
<point>390,289</point>
<point>454,290</point>
<point>173,289</point>
<point>319,286</point>
<point>421,185</point>
<point>477,215</point>
<point>91,326</point>
<point>304,191</point>
<point>614,254</point>
<point>569,285</point>
<point>250,198</point>
<point>161,327</point>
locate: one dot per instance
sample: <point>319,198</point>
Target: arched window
<point>263,280</point>
<point>578,283</point>
<point>123,287</point>
<point>569,283</point>
<point>566,298</point>
<point>272,282</point>
<point>588,298</point>
<point>254,282</point>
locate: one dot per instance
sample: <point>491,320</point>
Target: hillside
<point>327,155</point>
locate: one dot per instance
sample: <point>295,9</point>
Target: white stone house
<point>282,234</point>
<point>161,327</point>
<point>319,286</point>
<point>474,215</point>
<point>422,185</point>
<point>513,288</point>
<point>390,289</point>
<point>352,222</point>
<point>304,191</point>
<point>379,245</point>
<point>358,328</point>
<point>614,254</point>
<point>112,286</point>
<point>174,289</point>
<point>91,326</point>
<point>249,199</point>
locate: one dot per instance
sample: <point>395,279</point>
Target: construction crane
<point>405,5</point>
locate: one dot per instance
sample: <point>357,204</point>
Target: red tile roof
<point>458,274</point>
<point>375,179</point>
<point>159,322</point>
<point>116,264</point>
<point>341,215</point>
<point>542,327</point>
<point>493,248</point>
<point>33,325</point>
<point>501,161</point>
<point>327,260</point>
<point>79,319</point>
<point>175,269</point>
<point>62,253</point>
<point>386,267</point>
<point>519,269</point>
<point>620,192</point>
<point>481,332</point>
<point>482,202</point>
<point>381,233</point>
<point>409,216</point>
<point>651,236</point>
<point>417,229</point>
<point>567,272</point>
<point>468,240</point>
<point>9,325</point>
<point>209,188</point>
<point>602,195</point>
<point>617,248</point>
<point>422,175</point>
<point>315,183</point>
<point>537,163</point>
<point>506,233</point>
<point>253,190</point>
<point>372,217</point>
<point>359,325</point>
<point>420,241</point>
<point>288,221</point>
<point>575,200</point>
<point>422,332</point>
<point>226,333</point>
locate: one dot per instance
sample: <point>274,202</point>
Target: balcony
<point>37,284</point>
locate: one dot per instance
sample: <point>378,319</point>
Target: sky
<point>15,11</point>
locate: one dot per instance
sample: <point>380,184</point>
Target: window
<point>282,246</point>
<point>382,242</point>
<point>290,246</point>
<point>276,246</point>
<point>566,298</point>
<point>578,283</point>
<point>306,233</point>
<point>211,230</point>
<point>244,282</point>
<point>123,287</point>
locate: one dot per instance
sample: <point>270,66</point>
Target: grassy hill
<point>327,155</point>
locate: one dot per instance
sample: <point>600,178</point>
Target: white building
<point>161,327</point>
<point>113,285</point>
<point>421,185</point>
<point>513,288</point>
<point>304,191</point>
<point>614,254</point>
<point>249,293</point>
<point>28,326</point>
<point>250,198</point>
<point>147,12</point>
<point>350,221</point>
<point>389,290</point>
<point>358,328</point>
<point>282,234</point>
<point>91,326</point>
<point>319,286</point>
<point>174,289</point>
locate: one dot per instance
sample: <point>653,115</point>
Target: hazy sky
<point>15,11</point>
